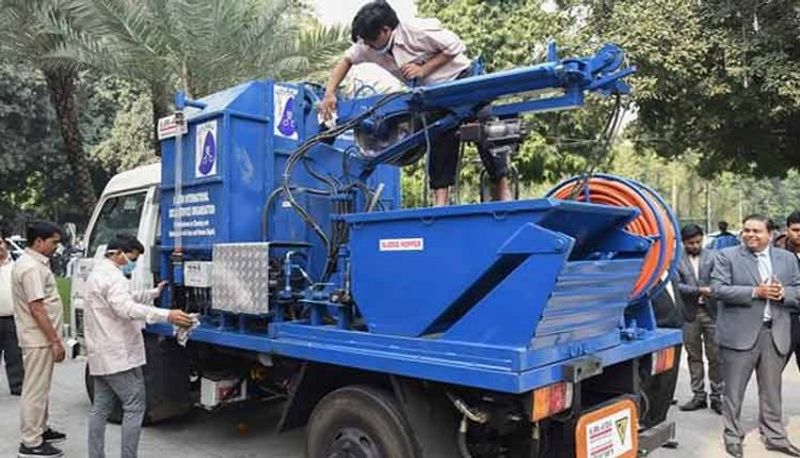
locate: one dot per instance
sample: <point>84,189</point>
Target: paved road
<point>248,430</point>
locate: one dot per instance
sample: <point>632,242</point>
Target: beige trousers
<point>38,363</point>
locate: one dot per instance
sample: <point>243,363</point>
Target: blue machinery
<point>289,240</point>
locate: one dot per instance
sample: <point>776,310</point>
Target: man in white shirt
<point>115,345</point>
<point>416,51</point>
<point>9,346</point>
<point>700,313</point>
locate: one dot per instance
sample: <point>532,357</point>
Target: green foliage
<point>32,172</point>
<point>126,59</point>
<point>719,76</point>
<point>203,46</point>
<point>118,121</point>
<point>513,33</point>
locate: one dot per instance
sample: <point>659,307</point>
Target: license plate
<point>608,432</point>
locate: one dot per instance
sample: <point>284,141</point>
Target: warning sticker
<point>622,428</point>
<point>168,127</point>
<point>609,436</point>
<point>608,432</point>
<point>414,244</point>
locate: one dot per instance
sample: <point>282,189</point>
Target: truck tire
<point>657,392</point>
<point>359,421</point>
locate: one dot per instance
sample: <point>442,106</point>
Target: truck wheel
<point>116,413</point>
<point>359,422</point>
<point>657,392</point>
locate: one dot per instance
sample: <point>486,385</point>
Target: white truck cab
<point>129,204</point>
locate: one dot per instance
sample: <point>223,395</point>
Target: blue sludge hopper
<point>547,275</point>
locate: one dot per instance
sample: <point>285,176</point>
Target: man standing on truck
<point>700,313</point>
<point>38,314</point>
<point>416,51</point>
<point>756,287</point>
<point>9,346</point>
<point>115,345</point>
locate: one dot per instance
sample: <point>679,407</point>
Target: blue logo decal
<point>209,154</point>
<point>287,124</point>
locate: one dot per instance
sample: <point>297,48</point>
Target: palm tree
<point>201,46</point>
<point>36,31</point>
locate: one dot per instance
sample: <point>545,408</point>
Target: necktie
<point>765,272</point>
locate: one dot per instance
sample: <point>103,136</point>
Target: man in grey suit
<point>756,287</point>
<point>700,314</point>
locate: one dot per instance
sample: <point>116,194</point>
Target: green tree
<point>718,76</point>
<point>36,31</point>
<point>34,178</point>
<point>202,46</point>
<point>515,33</point>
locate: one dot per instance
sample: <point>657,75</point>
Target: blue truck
<point>519,329</point>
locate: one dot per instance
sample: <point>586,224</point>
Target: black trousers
<point>443,163</point>
<point>9,349</point>
<point>795,347</point>
<point>443,160</point>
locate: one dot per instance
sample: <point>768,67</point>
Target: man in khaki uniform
<point>38,315</point>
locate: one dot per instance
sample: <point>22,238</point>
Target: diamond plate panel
<point>240,278</point>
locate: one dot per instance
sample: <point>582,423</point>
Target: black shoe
<point>694,404</point>
<point>16,392</point>
<point>734,450</point>
<point>44,449</point>
<point>786,449</point>
<point>52,436</point>
<point>716,406</point>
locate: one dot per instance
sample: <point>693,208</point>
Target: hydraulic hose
<point>655,221</point>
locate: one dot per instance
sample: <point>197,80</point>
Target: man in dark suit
<point>700,313</point>
<point>756,287</point>
<point>790,241</point>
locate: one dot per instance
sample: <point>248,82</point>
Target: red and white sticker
<point>167,127</point>
<point>415,244</point>
<point>609,432</point>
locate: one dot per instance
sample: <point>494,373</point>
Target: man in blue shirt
<point>724,239</point>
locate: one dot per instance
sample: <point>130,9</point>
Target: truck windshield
<point>119,214</point>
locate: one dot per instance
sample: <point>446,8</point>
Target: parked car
<point>16,246</point>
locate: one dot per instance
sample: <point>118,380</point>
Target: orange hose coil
<point>618,194</point>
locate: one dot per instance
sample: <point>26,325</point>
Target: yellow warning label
<point>622,427</point>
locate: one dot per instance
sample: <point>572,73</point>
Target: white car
<point>16,246</point>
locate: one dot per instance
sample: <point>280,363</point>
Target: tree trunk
<point>62,95</point>
<point>159,100</point>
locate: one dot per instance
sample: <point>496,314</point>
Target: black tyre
<point>657,392</point>
<point>359,422</point>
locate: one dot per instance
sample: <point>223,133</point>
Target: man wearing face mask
<point>417,51</point>
<point>115,345</point>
